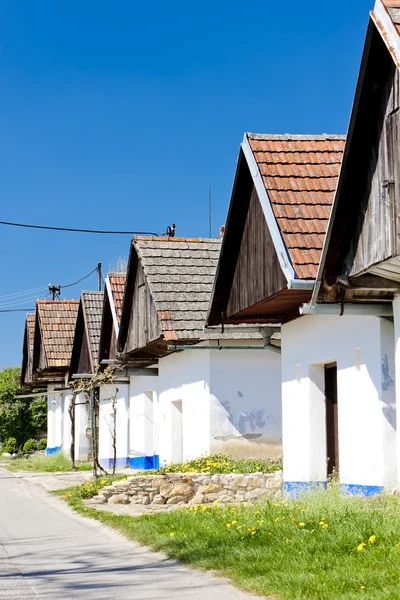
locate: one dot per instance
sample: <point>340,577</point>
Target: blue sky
<point>121,115</point>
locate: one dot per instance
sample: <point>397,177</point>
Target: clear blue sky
<point>120,115</point>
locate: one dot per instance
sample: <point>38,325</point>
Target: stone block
<point>211,488</point>
<point>176,489</point>
<point>211,497</point>
<point>175,500</point>
<point>198,499</point>
<point>224,499</point>
<point>158,499</point>
<point>140,500</point>
<point>119,499</point>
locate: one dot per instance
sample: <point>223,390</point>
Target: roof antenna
<point>55,291</point>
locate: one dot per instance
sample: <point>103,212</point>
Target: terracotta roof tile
<point>300,176</point>
<point>57,320</point>
<point>117,285</point>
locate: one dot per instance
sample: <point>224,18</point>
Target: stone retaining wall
<point>192,488</point>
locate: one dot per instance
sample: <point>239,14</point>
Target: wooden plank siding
<point>375,237</point>
<point>258,274</point>
<point>144,326</point>
<point>84,363</point>
<point>364,231</point>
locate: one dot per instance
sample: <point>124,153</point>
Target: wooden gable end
<point>144,326</point>
<point>258,274</point>
<point>107,335</point>
<point>84,363</point>
<point>365,228</point>
<point>376,235</point>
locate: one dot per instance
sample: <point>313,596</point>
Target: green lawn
<point>44,464</point>
<point>322,547</point>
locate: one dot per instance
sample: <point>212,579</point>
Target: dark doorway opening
<point>331,411</point>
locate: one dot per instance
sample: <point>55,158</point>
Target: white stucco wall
<point>246,407</point>
<point>184,405</point>
<point>202,401</point>
<point>82,449</point>
<point>363,350</point>
<point>106,425</point>
<point>54,420</point>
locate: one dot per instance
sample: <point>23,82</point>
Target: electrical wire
<point>25,293</point>
<point>17,310</point>
<point>79,280</point>
<point>18,302</point>
<point>74,230</point>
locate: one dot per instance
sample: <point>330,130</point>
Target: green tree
<point>22,418</point>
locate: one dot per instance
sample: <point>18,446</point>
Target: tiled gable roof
<point>300,175</point>
<point>57,320</point>
<point>180,273</point>
<point>117,285</point>
<point>93,306</point>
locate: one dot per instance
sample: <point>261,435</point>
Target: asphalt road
<point>46,551</point>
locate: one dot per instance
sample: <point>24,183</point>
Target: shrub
<point>11,446</point>
<point>30,446</point>
<point>42,445</point>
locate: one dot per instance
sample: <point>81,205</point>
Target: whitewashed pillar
<point>396,316</point>
<point>142,431</point>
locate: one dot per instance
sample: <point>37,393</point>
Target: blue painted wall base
<point>294,488</point>
<point>145,463</point>
<point>353,489</point>
<point>54,450</point>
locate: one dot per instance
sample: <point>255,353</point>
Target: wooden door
<point>332,429</point>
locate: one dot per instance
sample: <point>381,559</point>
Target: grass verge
<point>44,464</point>
<point>320,547</point>
<point>219,463</point>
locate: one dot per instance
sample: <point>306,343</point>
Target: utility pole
<point>100,276</point>
<point>210,210</point>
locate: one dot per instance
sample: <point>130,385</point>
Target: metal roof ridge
<point>295,136</point>
<point>142,238</point>
<point>57,301</point>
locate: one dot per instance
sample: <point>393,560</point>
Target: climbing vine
<point>90,388</point>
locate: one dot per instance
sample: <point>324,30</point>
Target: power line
<point>17,310</point>
<point>18,302</point>
<point>25,293</point>
<point>72,229</point>
<point>79,280</point>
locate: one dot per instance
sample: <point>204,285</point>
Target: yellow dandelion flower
<point>325,525</point>
<point>302,524</point>
<point>312,531</point>
<point>321,523</point>
<point>362,587</point>
<point>361,546</point>
<point>234,522</point>
<point>171,534</point>
<point>215,502</point>
<point>277,519</point>
<point>372,539</point>
<point>253,532</point>
<point>228,525</point>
